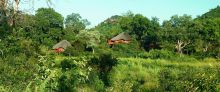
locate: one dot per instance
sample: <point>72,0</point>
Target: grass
<point>148,74</point>
<point>162,62</point>
<point>141,74</point>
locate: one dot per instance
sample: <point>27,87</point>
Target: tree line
<point>180,34</point>
<point>29,63</point>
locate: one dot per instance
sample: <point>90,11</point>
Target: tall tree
<point>135,24</point>
<point>75,22</point>
<point>8,11</point>
<point>126,21</point>
<point>49,26</point>
<point>209,32</point>
<point>151,38</point>
<point>177,31</point>
<point>140,25</point>
<point>210,35</point>
<point>49,18</point>
<point>89,38</point>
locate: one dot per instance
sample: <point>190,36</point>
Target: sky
<point>97,11</point>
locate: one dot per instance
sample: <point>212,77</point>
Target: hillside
<point>213,13</point>
<point>49,52</point>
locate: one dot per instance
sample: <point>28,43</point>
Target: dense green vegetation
<point>181,54</point>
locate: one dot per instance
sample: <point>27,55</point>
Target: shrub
<point>66,64</point>
<point>95,82</point>
<point>75,75</point>
<point>167,80</point>
<point>132,75</point>
<point>13,71</point>
<point>188,79</point>
<point>209,60</point>
<point>156,54</point>
<point>126,50</point>
<point>104,64</point>
<point>184,58</point>
<point>3,89</point>
<point>71,51</point>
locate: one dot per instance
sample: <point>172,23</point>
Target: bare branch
<point>186,44</point>
<point>180,45</point>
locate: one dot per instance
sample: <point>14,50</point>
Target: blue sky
<point>98,10</point>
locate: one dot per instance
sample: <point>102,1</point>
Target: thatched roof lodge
<point>120,38</point>
<point>61,46</point>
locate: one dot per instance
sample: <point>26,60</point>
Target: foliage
<point>177,32</point>
<point>75,73</point>
<point>136,74</point>
<point>49,18</point>
<point>14,74</point>
<point>152,38</point>
<point>130,75</point>
<point>89,38</point>
<point>75,22</point>
<point>104,64</point>
<point>126,50</point>
<point>182,54</point>
<point>158,54</point>
<point>196,80</point>
<point>213,13</point>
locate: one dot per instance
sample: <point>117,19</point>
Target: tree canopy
<point>29,63</point>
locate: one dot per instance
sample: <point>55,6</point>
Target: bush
<point>66,64</point>
<point>168,81</point>
<point>188,79</point>
<point>75,75</point>
<point>184,58</point>
<point>71,51</point>
<point>156,54</point>
<point>126,50</point>
<point>13,71</point>
<point>168,55</point>
<point>104,64</point>
<point>95,82</point>
<point>134,75</point>
<point>210,60</point>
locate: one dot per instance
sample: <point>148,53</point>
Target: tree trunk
<point>9,14</point>
<point>180,45</point>
<point>205,49</point>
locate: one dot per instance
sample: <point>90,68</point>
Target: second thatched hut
<point>61,46</point>
<point>120,38</point>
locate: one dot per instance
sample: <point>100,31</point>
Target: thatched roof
<point>122,36</point>
<point>62,44</point>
